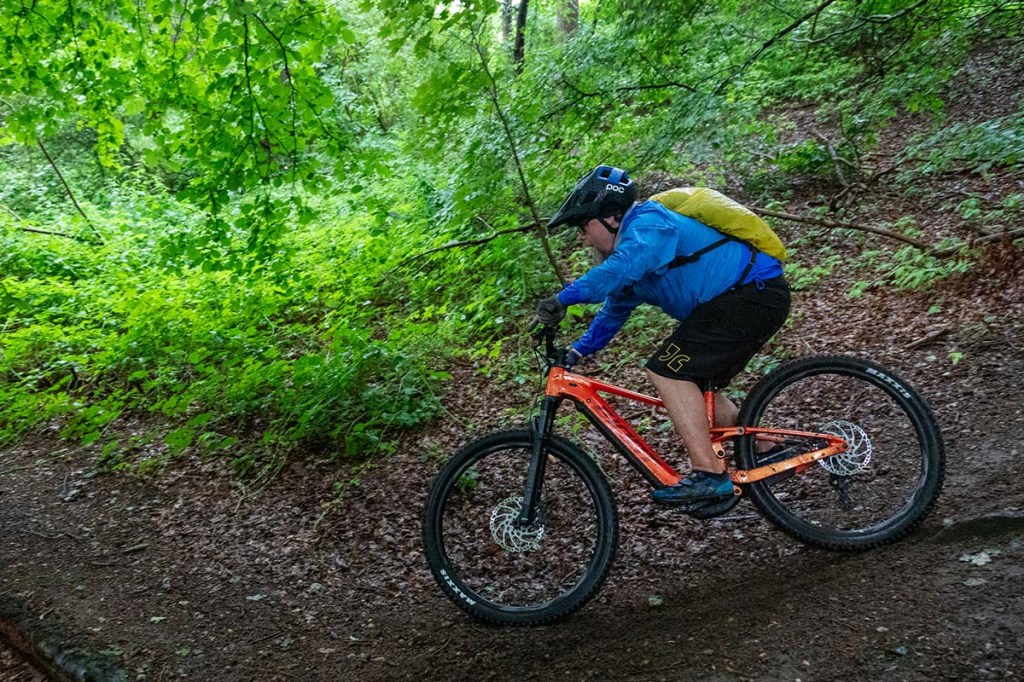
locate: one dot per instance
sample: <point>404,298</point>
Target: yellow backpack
<point>718,211</point>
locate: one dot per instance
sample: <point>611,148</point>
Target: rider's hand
<point>550,311</point>
<point>572,356</point>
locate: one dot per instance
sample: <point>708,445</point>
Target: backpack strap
<point>750,265</point>
<point>680,261</point>
<point>695,256</point>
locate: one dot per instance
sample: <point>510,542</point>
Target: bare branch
<point>55,234</point>
<point>837,161</point>
<point>629,88</point>
<point>582,95</point>
<point>35,230</point>
<point>11,211</point>
<point>71,194</point>
<point>456,245</point>
<point>492,92</point>
<point>1009,235</point>
<point>826,222</point>
<point>930,337</point>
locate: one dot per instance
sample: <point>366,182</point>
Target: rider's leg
<point>726,411</point>
<point>726,414</point>
<point>710,347</point>
<point>684,402</point>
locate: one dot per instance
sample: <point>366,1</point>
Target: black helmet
<point>602,192</point>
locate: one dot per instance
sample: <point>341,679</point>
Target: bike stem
<point>540,429</point>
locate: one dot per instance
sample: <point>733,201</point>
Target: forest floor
<point>189,575</point>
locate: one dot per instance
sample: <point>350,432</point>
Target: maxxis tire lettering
<point>889,380</point>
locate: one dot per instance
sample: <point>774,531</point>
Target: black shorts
<point>717,340</point>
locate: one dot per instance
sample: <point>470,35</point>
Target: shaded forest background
<point>245,229</point>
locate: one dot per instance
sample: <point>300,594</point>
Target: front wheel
<point>505,573</point>
<point>872,494</point>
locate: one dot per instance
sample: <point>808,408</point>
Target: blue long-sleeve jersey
<point>637,271</point>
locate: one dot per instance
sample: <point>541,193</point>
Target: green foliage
<point>319,346</point>
<point>907,268</point>
<point>218,99</point>
<point>913,269</point>
<point>979,147</point>
<point>280,186</point>
<point>802,275</point>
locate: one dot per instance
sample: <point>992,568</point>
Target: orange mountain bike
<point>520,527</point>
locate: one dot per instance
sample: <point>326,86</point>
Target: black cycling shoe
<point>699,485</point>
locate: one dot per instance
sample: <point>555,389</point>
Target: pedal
<point>706,509</point>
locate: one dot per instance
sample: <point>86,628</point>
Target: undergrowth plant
<point>271,226</point>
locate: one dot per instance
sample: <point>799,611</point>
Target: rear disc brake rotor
<point>857,456</point>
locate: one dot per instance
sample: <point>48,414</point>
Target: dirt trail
<point>13,667</point>
<point>183,578</point>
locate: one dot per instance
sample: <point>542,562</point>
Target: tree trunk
<point>506,21</point>
<point>518,50</point>
<point>568,16</point>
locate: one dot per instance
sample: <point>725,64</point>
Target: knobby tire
<point>544,583</point>
<point>886,497</point>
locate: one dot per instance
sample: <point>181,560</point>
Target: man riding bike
<point>728,297</point>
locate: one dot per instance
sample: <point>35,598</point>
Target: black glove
<point>550,311</point>
<point>572,356</point>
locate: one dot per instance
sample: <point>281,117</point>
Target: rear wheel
<point>875,492</point>
<point>505,573</point>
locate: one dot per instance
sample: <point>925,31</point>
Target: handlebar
<point>551,356</point>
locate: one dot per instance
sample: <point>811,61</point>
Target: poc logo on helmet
<point>615,188</point>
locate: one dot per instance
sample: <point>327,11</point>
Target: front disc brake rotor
<point>510,536</point>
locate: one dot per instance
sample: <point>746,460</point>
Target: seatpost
<point>709,407</point>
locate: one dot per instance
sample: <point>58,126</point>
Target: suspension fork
<point>540,430</point>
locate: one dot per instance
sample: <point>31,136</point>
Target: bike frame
<point>586,394</point>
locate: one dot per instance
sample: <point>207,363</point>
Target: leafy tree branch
<point>492,93</point>
<point>771,41</point>
<point>874,19</point>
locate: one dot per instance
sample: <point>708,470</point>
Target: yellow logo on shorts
<point>674,358</point>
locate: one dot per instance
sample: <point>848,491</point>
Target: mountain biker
<point>729,301</point>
